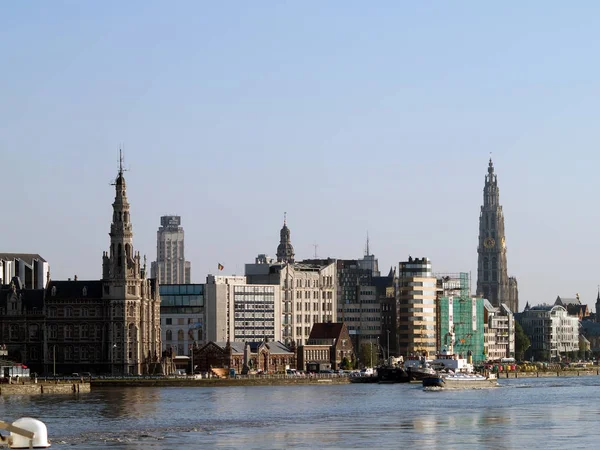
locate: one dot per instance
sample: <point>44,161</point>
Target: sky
<point>352,117</point>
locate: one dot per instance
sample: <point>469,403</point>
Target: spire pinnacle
<point>120,162</point>
<point>367,253</point>
<point>285,218</point>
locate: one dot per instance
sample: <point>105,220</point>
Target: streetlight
<point>371,353</point>
<point>388,344</point>
<point>54,360</point>
<point>113,359</point>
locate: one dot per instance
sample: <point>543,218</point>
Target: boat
<point>363,379</point>
<point>392,374</point>
<point>417,368</point>
<point>461,381</point>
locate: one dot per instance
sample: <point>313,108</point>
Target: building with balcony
<point>551,330</point>
<point>499,331</point>
<point>415,308</point>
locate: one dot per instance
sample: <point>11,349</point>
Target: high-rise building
<point>170,266</point>
<point>415,309</point>
<point>493,282</point>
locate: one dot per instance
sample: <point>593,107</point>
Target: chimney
<point>75,279</point>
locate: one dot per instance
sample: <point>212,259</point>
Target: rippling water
<point>523,413</point>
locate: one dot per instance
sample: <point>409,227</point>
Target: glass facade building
<point>182,317</point>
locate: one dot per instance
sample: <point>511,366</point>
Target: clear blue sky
<point>350,116</point>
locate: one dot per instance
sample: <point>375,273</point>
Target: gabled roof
<point>275,347</point>
<point>26,257</point>
<point>567,301</point>
<point>328,330</point>
<point>74,289</point>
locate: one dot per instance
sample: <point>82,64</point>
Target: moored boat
<point>392,374</point>
<point>461,381</point>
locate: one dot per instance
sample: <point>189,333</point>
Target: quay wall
<point>545,374</point>
<point>44,388</point>
<point>218,382</point>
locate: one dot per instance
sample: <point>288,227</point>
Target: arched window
<point>180,335</point>
<point>486,276</point>
<point>169,335</point>
<point>119,259</point>
<point>486,263</point>
<point>494,263</point>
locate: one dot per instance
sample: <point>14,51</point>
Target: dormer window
<point>84,292</point>
<point>53,291</point>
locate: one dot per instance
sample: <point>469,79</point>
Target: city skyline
<point>256,111</point>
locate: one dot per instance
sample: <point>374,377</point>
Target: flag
<point>221,266</point>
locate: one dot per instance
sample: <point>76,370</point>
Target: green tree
<point>368,354</point>
<point>345,365</point>
<point>522,342</point>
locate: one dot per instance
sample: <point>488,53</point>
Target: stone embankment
<point>545,374</point>
<point>44,387</point>
<point>273,380</point>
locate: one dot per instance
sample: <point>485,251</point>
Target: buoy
<point>35,436</point>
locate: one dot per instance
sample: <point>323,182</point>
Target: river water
<point>523,413</point>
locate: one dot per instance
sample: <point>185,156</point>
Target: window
<point>169,336</point>
<point>180,335</point>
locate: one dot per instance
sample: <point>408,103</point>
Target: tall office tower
<point>170,266</point>
<point>493,282</point>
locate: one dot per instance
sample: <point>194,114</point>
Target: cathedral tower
<point>493,282</point>
<point>285,251</point>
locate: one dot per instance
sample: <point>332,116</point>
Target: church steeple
<point>121,262</point>
<point>492,275</point>
<point>285,251</point>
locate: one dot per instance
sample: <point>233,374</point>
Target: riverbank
<point>32,388</point>
<point>217,382</point>
<point>546,374</point>
<point>282,380</point>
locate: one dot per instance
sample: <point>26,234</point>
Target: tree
<point>368,354</point>
<point>345,365</point>
<point>522,342</point>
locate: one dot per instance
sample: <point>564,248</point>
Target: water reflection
<point>341,416</point>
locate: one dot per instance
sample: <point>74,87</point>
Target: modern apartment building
<point>416,308</point>
<point>170,266</point>
<point>182,317</point>
<point>242,312</point>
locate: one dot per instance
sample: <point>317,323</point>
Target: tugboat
<point>418,368</point>
<point>392,374</point>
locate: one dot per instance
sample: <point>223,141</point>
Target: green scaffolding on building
<point>460,319</point>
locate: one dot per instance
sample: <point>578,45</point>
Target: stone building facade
<point>110,325</point>
<point>328,345</point>
<point>493,282</point>
<point>261,356</point>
